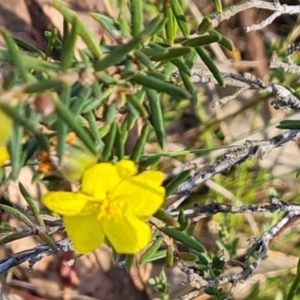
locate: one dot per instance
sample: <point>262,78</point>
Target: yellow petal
<point>126,168</point>
<point>5,128</point>
<point>68,203</point>
<point>85,232</point>
<point>143,194</point>
<point>127,234</point>
<point>104,177</point>
<point>4,155</point>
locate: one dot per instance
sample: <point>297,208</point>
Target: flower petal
<point>67,203</point>
<point>4,155</point>
<point>104,177</point>
<point>142,194</point>
<point>85,232</point>
<point>127,234</point>
<point>126,168</point>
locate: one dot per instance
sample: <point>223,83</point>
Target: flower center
<point>110,209</point>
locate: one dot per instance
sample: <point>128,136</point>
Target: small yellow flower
<point>113,203</point>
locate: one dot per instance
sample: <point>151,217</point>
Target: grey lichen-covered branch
<point>34,255</point>
<point>233,157</point>
<point>259,245</point>
<point>284,98</point>
<point>203,211</point>
<point>279,9</point>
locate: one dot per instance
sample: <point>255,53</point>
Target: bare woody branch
<point>203,211</point>
<point>259,245</point>
<point>34,255</point>
<point>284,98</point>
<point>233,157</point>
<point>279,9</point>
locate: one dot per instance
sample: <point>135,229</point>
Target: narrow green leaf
<point>191,59</point>
<point>151,251</point>
<point>98,100</point>
<point>124,25</point>
<point>173,185</point>
<point>172,53</point>
<point>62,127</point>
<point>180,18</point>
<point>118,55</point>
<point>169,69</point>
<point>14,212</point>
<point>183,238</point>
<point>204,26</point>
<point>28,47</point>
<point>154,51</point>
<point>15,146</point>
<point>51,43</point>
<point>170,26</point>
<point>84,96</point>
<point>210,65</point>
<point>289,124</point>
<point>295,285</point>
<point>139,147</point>
<point>183,220</point>
<point>12,236</point>
<point>202,40</point>
<point>143,59</point>
<point>94,131</point>
<point>68,46</point>
<point>166,218</point>
<point>157,75</point>
<point>156,116</point>
<point>4,226</point>
<point>15,55</point>
<point>129,260</point>
<point>202,259</point>
<point>83,31</point>
<point>110,141</point>
<point>44,85</point>
<point>110,113</point>
<point>37,177</point>
<point>144,164</point>
<point>181,65</point>
<point>16,114</point>
<point>128,123</point>
<point>218,6</point>
<point>170,257</point>
<point>29,62</point>
<point>32,204</point>
<point>46,238</point>
<point>137,17</point>
<point>137,105</point>
<point>189,87</point>
<point>82,134</point>
<point>55,42</point>
<point>120,144</point>
<point>224,41</point>
<point>109,24</point>
<point>66,28</point>
<point>132,110</point>
<point>159,85</point>
<point>186,256</point>
<point>158,255</point>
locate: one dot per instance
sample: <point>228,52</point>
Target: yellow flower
<point>113,203</point>
<point>4,155</point>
